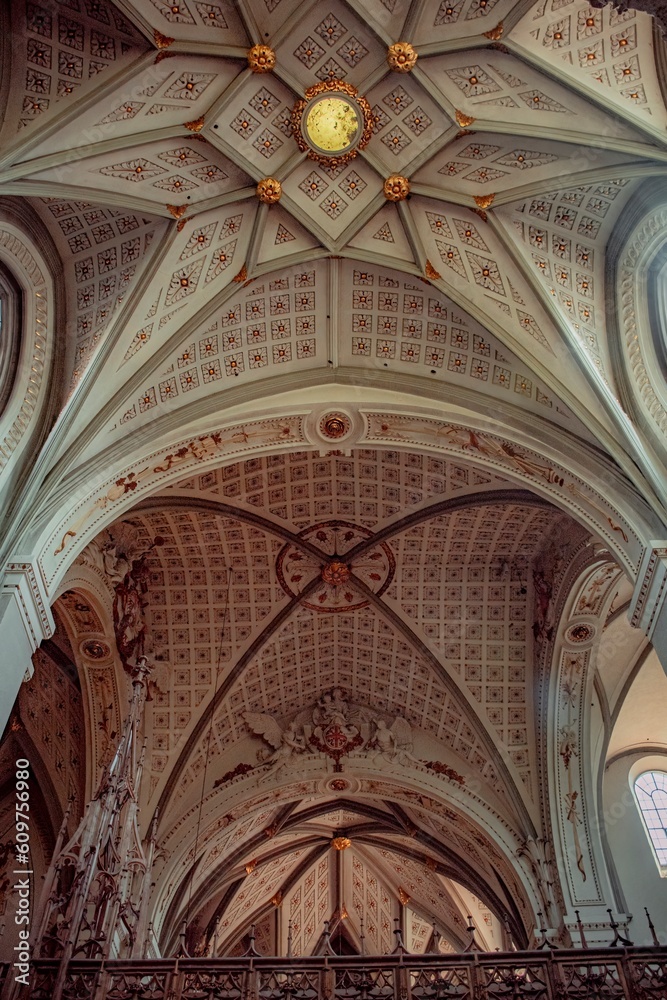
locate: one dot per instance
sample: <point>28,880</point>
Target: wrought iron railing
<point>594,974</point>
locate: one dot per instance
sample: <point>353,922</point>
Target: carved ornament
<point>348,95</point>
<point>396,188</point>
<point>463,120</point>
<point>261,59</point>
<point>336,729</point>
<point>269,190</point>
<point>401,57</point>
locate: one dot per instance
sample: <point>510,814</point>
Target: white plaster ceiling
<point>185,295</point>
<point>142,134</point>
<point>443,637</point>
<point>299,871</point>
<point>641,719</point>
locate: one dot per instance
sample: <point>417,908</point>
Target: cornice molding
<point>635,242</point>
<point>650,596</point>
<point>34,263</point>
<point>22,586</point>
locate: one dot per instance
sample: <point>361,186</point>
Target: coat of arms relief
<point>337,729</point>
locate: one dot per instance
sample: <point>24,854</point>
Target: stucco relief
<point>566,489</point>
<point>35,349</point>
<point>581,867</point>
<point>653,7</point>
<point>107,500</point>
<point>334,728</point>
<point>644,241</point>
<point>160,468</point>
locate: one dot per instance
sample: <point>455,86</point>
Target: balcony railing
<point>594,974</point>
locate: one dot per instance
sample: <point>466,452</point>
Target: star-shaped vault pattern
<point>523,136</point>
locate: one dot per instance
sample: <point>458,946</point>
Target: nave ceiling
<point>441,628</point>
<point>524,131</point>
<point>414,573</point>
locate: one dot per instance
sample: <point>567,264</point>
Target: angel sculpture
<point>286,743</point>
<point>395,744</point>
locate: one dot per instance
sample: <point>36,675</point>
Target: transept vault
<point>332,466</point>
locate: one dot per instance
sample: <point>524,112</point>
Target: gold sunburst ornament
<point>332,123</point>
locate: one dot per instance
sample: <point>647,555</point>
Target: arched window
<point>651,793</point>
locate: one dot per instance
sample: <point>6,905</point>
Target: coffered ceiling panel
<point>447,19</point>
<point>62,51</point>
<point>256,891</point>
<point>605,52</point>
<point>368,487</point>
<point>470,253</point>
<point>426,890</point>
<point>461,582</point>
<point>211,22</point>
<point>385,235</point>
<point>372,901</point>
<point>104,250</point>
<point>492,162</point>
<point>193,630</point>
<point>283,236</point>
<point>465,581</point>
<point>203,257</point>
<point>330,43</point>
<point>495,87</point>
<point>564,233</point>
<point>334,201</point>
<point>407,122</point>
<point>253,125</point>
<point>309,903</point>
<point>185,171</point>
<point>166,95</point>
<point>393,320</point>
<point>277,322</point>
<point>371,660</point>
<point>291,320</point>
<point>225,837</point>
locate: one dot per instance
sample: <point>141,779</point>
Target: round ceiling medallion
<point>332,123</point>
<point>401,57</point>
<point>334,425</point>
<point>322,565</point>
<point>396,188</point>
<point>95,649</point>
<point>579,633</point>
<point>339,785</point>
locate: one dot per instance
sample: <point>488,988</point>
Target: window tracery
<point>651,793</point>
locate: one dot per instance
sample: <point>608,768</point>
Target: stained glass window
<point>651,792</point>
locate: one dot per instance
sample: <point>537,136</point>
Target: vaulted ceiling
<point>137,133</point>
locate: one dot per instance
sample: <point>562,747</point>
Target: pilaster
<point>25,620</point>
<point>648,609</point>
